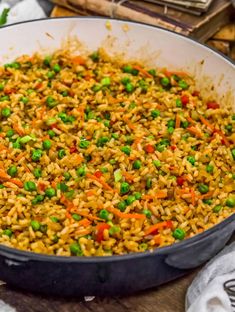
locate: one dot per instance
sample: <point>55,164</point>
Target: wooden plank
<point>222,46</point>
<point>59,11</point>
<point>226,33</point>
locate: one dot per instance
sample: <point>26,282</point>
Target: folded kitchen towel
<point>207,293</point>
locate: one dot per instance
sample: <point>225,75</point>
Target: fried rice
<point>103,157</point>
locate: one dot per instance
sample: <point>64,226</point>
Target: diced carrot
<point>98,174</point>
<point>53,184</point>
<point>149,148</point>
<point>143,71</point>
<point>212,105</point>
<point>100,231</point>
<point>177,121</point>
<point>129,177</point>
<point>78,60</point>
<point>157,239</point>
<point>158,226</point>
<point>184,99</point>
<point>194,131</point>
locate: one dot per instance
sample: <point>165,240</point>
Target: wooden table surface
<point>166,298</point>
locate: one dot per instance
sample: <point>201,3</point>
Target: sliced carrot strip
<point>123,215</point>
<point>157,195</point>
<point>103,183</point>
<point>143,71</point>
<point>158,226</point>
<point>84,222</point>
<point>194,131</point>
<point>177,121</point>
<point>206,123</point>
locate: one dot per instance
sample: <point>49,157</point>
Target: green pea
<point>137,164</point>
<point>30,186</point>
<point>95,57</point>
<point>191,159</point>
<point>147,213</point>
<point>134,72</point>
<point>115,136</point>
<point>125,188</point>
<point>105,82</point>
<point>203,188</point>
<point>165,82</point>
<point>67,176</point>
<point>229,128</point>
<point>230,202</point>
<point>148,183</point>
<point>137,195</point>
<point>51,133</point>
<point>51,102</point>
<point>127,69</point>
<point>102,141</point>
<point>47,60</point>
<point>7,232</point>
<point>233,176</point>
<point>50,192</point>
<point>183,85</point>
<point>24,99</point>
<point>16,144</point>
<point>50,74</point>
<point>15,65</point>
<point>129,87</point>
<point>217,208</point>
<point>114,230</point>
<point>233,153</point>
<point>62,186</point>
<point>170,130</point>
<point>132,105</point>
<point>130,199</point>
<point>209,168</point>
<point>64,93</point>
<point>1,86</point>
<point>81,171</point>
<point>178,234</point>
<point>184,124</point>
<point>61,153</point>
<point>104,170</point>
<point>152,72</point>
<point>54,219</point>
<point>125,80</point>
<point>96,87</point>
<point>4,98</point>
<point>57,68</point>
<point>36,155</point>
<point>143,85</point>
<point>233,117</point>
<point>6,112</point>
<point>122,206</point>
<point>37,173</point>
<point>107,123</point>
<point>84,144</point>
<point>38,199</point>
<point>207,201</point>
<point>143,246</point>
<point>171,123</point>
<point>75,249</point>
<point>10,133</point>
<point>126,150</point>
<point>46,144</point>
<point>2,186</point>
<point>70,194</point>
<point>112,161</point>
<point>91,115</point>
<point>35,225</point>
<point>12,171</point>
<point>155,113</point>
<point>104,214</point>
<point>178,103</point>
<point>157,163</point>
<point>76,217</point>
